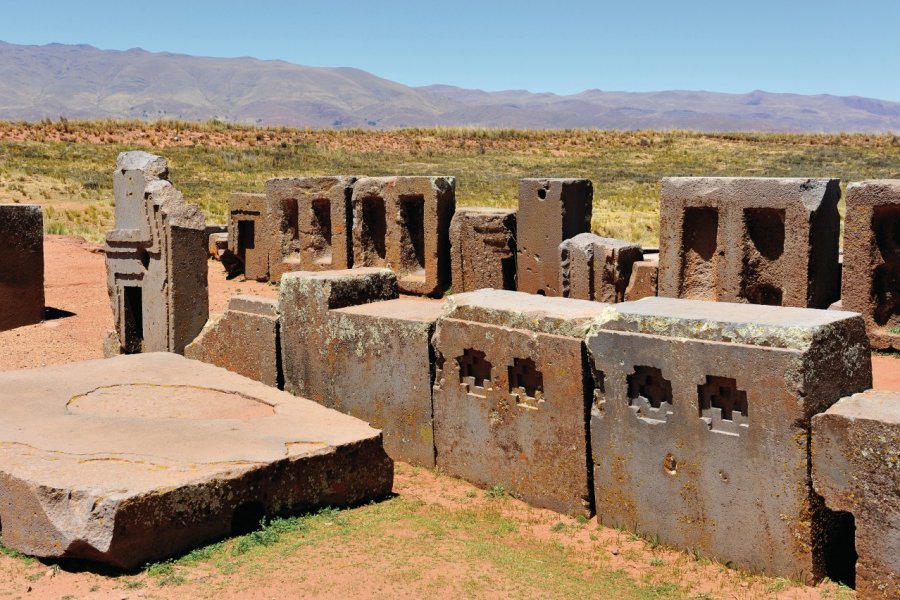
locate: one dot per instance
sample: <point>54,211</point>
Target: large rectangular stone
<point>483,249</point>
<point>403,223</point>
<point>249,237</point>
<point>511,400</point>
<point>856,468</point>
<point>750,239</point>
<point>21,265</point>
<point>550,211</point>
<point>701,422</point>
<point>596,268</point>
<point>137,458</point>
<point>310,221</point>
<point>871,274</point>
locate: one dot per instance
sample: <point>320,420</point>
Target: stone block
<point>757,240</point>
<point>856,468</point>
<point>138,458</point>
<point>248,234</point>
<point>351,344</point>
<point>310,220</point>
<point>483,249</point>
<point>644,278</point>
<point>511,400</point>
<point>871,274</point>
<point>596,268</point>
<point>244,339</point>
<point>21,265</point>
<point>701,421</point>
<point>218,243</point>
<point>403,223</point>
<point>155,261</point>
<point>550,211</point>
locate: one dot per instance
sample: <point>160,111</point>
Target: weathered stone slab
<point>750,239</point>
<point>403,223</point>
<point>244,339</point>
<point>249,237</point>
<point>700,425</point>
<point>511,400</point>
<point>550,211</point>
<point>21,265</point>
<point>644,278</point>
<point>483,249</point>
<point>871,274</point>
<point>310,219</point>
<point>349,343</point>
<point>596,268</point>
<point>137,458</point>
<point>856,468</point>
<point>155,261</point>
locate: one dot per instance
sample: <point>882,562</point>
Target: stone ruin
<point>21,265</point>
<point>758,240</point>
<point>155,261</point>
<point>691,420</point>
<point>247,231</point>
<point>871,273</point>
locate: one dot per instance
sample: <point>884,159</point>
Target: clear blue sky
<point>803,46</point>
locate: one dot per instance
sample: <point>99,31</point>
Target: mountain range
<point>83,82</point>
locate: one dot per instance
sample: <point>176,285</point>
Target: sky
<point>801,46</point>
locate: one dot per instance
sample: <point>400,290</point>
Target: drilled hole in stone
<point>542,193</point>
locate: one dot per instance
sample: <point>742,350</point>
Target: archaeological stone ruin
<point>21,265</point>
<point>699,395</point>
<point>155,261</point>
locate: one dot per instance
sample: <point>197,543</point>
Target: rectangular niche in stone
<point>871,274</point>
<point>755,240</point>
<point>700,429</point>
<point>403,223</point>
<point>511,395</point>
<point>248,239</point>
<point>310,224</point>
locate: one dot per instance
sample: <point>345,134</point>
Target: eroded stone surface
<point>483,249</point>
<point>21,265</point>
<point>700,424</point>
<point>137,458</point>
<point>644,278</point>
<point>596,268</point>
<point>871,273</point>
<point>510,396</point>
<point>249,237</point>
<point>856,468</point>
<point>750,239</point>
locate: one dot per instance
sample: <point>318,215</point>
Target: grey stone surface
<point>596,268</point>
<point>511,401</point>
<point>403,223</point>
<point>856,468</point>
<point>155,261</point>
<point>137,458</point>
<point>21,265</point>
<point>483,249</point>
<point>701,420</point>
<point>750,239</point>
<point>550,211</point>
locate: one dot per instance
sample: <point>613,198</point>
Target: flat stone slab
<point>140,457</point>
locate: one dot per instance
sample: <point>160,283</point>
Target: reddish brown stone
<point>550,211</point>
<point>596,268</point>
<point>756,240</point>
<point>244,339</point>
<point>138,458</point>
<point>483,249</point>
<point>856,468</point>
<point>403,223</point>
<point>248,234</point>
<point>644,277</point>
<point>310,221</point>
<point>700,425</point>
<point>21,265</point>
<point>871,277</point>
<point>510,396</point>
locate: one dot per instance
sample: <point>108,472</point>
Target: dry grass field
<point>66,166</point>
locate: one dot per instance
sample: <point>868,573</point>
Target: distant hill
<point>83,82</point>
